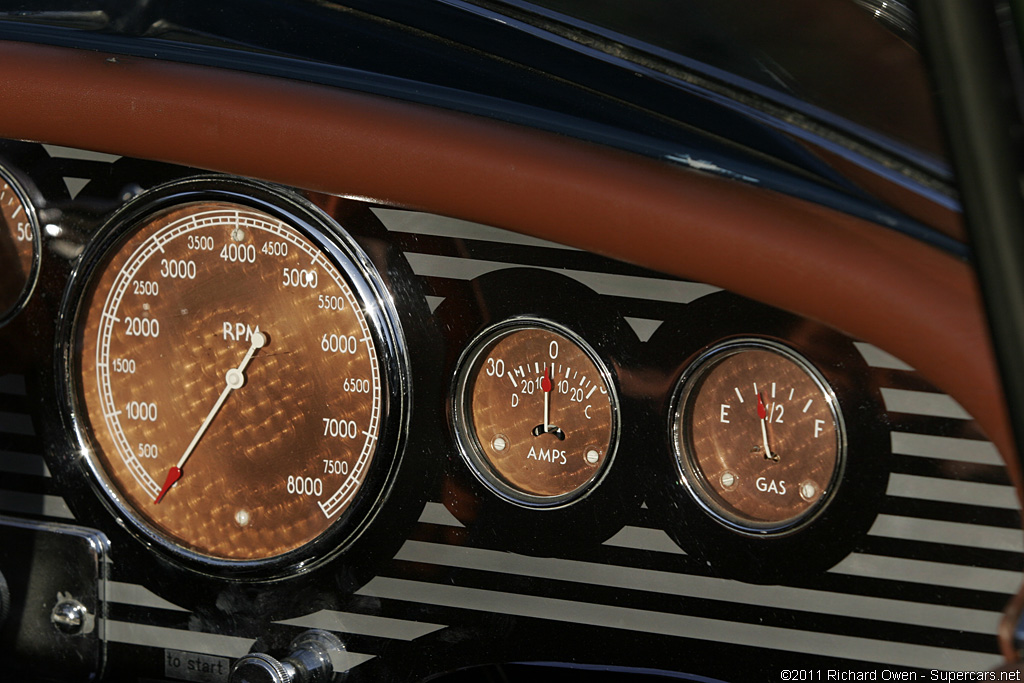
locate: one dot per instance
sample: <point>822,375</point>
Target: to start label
<point>192,666</point>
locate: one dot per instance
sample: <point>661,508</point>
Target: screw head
<point>69,616</point>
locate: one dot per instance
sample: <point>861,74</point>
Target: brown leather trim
<point>914,301</point>
<point>946,221</point>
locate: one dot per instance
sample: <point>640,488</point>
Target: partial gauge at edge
<point>536,413</point>
<point>238,375</point>
<point>19,246</point>
<point>758,436</point>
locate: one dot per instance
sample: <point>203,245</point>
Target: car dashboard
<point>294,371</point>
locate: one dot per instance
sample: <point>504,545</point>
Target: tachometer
<point>235,371</point>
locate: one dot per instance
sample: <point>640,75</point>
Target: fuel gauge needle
<point>233,379</point>
<point>762,417</point>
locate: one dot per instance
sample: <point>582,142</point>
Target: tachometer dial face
<point>759,437</point>
<point>19,240</point>
<point>230,375</point>
<point>536,412</point>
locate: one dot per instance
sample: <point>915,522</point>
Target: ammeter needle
<point>233,379</point>
<point>546,386</point>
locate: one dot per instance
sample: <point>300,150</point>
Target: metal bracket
<point>56,576</point>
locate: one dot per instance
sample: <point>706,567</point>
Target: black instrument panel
<point>907,567</point>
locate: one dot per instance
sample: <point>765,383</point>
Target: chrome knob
<point>311,661</point>
<point>261,668</point>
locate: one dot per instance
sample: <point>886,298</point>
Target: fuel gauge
<point>758,436</point>
<point>536,413</point>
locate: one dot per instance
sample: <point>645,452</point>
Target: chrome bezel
<point>469,445</point>
<point>33,275</point>
<point>341,249</point>
<point>696,483</point>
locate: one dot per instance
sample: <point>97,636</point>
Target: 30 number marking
<point>495,368</point>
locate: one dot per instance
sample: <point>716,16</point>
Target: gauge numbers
<point>231,381</point>
<point>759,437</point>
<point>536,415</point>
<point>19,243</point>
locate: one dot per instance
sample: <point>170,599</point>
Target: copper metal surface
<point>724,446</point>
<point>234,500</point>
<point>877,285</point>
<point>506,405</point>
<point>17,244</point>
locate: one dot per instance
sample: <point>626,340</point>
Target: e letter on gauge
<point>536,413</point>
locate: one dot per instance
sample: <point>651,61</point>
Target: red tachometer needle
<point>173,475</point>
<point>233,379</point>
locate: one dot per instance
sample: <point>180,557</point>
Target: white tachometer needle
<point>233,379</point>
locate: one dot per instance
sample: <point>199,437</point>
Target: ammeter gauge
<point>758,435</point>
<point>535,412</point>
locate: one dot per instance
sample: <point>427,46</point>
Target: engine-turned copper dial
<point>758,436</point>
<point>19,243</point>
<point>536,413</point>
<point>230,372</point>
